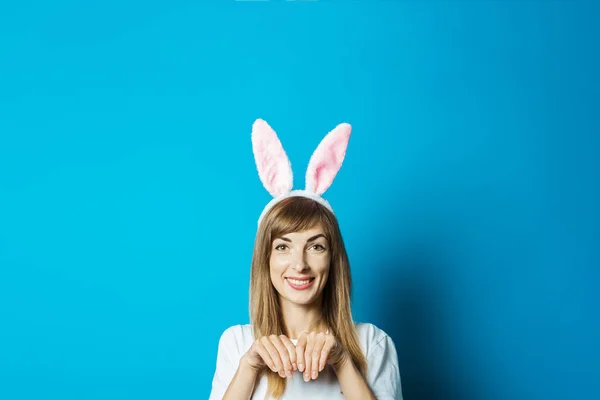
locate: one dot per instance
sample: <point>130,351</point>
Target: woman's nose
<point>299,267</point>
<point>298,263</point>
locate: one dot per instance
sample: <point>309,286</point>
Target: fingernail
<point>288,373</point>
<point>306,377</point>
<point>301,367</point>
<point>320,367</point>
<point>294,366</point>
<point>314,375</point>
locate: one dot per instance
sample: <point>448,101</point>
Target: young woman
<point>302,342</point>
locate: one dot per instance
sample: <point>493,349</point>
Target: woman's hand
<point>275,352</point>
<point>315,350</point>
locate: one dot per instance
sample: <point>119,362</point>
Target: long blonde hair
<point>296,214</point>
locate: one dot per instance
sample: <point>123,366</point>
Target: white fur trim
<point>301,193</point>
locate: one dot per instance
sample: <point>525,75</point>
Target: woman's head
<point>299,257</point>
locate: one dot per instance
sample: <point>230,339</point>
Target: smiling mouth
<point>300,284</point>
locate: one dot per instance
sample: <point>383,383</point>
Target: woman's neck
<point>301,318</point>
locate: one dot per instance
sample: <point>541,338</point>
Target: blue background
<point>468,198</point>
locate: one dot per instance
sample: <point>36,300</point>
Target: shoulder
<point>370,333</point>
<point>237,336</point>
<point>372,338</point>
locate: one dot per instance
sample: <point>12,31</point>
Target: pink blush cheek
<point>276,270</point>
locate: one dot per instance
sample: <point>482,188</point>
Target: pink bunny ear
<point>274,168</point>
<point>327,159</point>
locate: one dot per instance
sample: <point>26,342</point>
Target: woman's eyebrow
<point>312,238</point>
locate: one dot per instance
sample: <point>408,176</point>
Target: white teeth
<point>296,282</point>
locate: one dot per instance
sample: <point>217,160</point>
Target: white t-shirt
<point>383,375</point>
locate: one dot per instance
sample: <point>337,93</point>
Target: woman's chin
<point>302,299</point>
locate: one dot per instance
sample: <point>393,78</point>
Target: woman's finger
<point>260,349</point>
<point>291,350</point>
<point>316,354</point>
<point>283,355</point>
<point>273,353</point>
<point>310,344</point>
<point>329,345</point>
<point>300,348</point>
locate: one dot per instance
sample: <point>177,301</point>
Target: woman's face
<point>299,265</point>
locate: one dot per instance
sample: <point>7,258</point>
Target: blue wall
<point>129,196</point>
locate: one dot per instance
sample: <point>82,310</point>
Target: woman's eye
<point>280,247</point>
<point>319,247</point>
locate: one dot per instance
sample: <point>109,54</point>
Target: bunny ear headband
<point>275,170</point>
